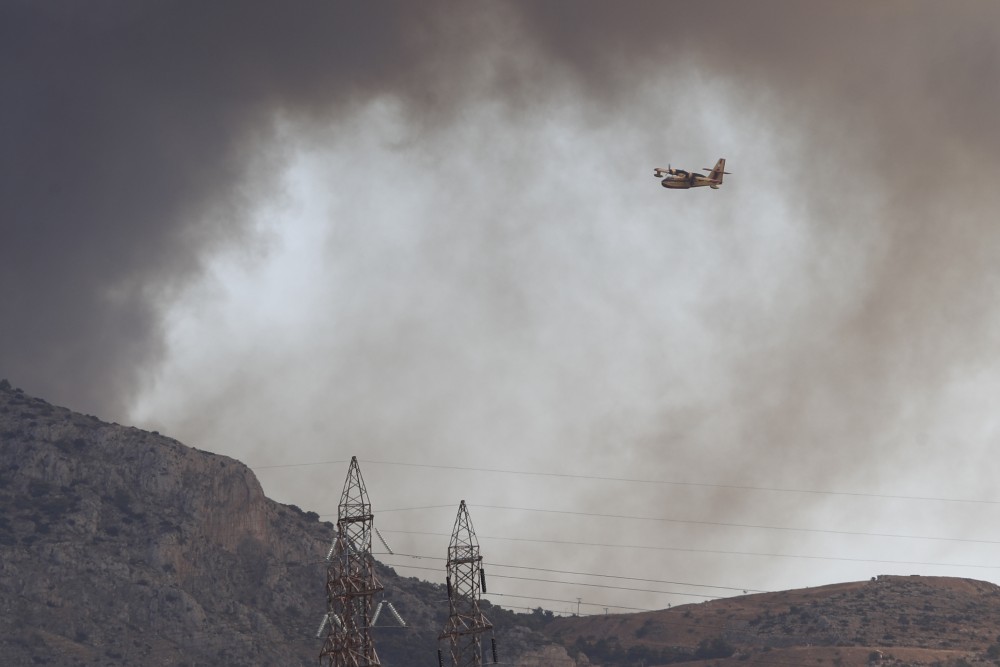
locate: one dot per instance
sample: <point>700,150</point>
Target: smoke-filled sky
<point>428,233</point>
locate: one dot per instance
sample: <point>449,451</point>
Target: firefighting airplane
<point>678,179</point>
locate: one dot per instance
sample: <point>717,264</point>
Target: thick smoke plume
<point>130,133</point>
<point>487,273</point>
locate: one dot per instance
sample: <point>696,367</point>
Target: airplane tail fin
<point>719,170</point>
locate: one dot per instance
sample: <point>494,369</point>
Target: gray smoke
<point>489,276</point>
<point>128,132</point>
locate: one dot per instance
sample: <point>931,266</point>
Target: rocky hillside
<point>123,547</point>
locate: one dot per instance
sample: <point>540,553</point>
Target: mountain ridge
<point>120,546</point>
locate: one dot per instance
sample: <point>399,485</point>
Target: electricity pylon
<point>466,580</point>
<point>350,580</point>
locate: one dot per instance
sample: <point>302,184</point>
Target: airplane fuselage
<point>685,182</point>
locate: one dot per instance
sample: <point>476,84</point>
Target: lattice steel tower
<point>350,580</point>
<point>466,580</point>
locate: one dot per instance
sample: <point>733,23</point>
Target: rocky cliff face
<point>119,546</point>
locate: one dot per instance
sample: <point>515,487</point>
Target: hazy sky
<point>428,233</point>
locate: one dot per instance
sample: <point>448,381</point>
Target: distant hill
<point>890,620</point>
<point>124,547</point>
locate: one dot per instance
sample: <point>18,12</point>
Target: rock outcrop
<point>123,546</point>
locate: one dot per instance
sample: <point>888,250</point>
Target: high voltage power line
<point>708,551</point>
<point>698,522</point>
<point>744,589</point>
<point>713,523</point>
<point>626,578</point>
<point>572,583</point>
<point>555,581</point>
<point>740,525</point>
<point>636,480</point>
<point>589,604</point>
